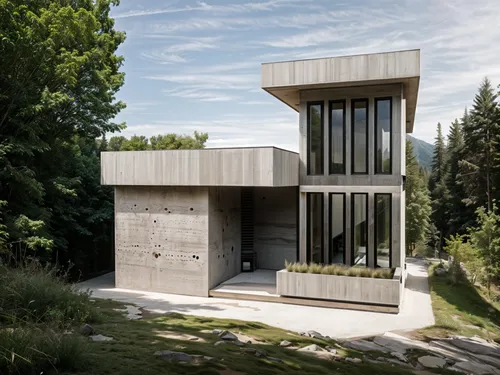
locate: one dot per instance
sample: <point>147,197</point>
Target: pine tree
<point>458,215</point>
<point>481,131</point>
<point>418,207</point>
<point>437,187</point>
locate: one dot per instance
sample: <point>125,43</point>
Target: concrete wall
<point>161,239</point>
<point>259,166</point>
<point>275,231</point>
<point>224,234</point>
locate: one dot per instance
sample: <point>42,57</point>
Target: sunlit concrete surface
<point>416,310</point>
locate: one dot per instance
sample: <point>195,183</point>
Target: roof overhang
<point>248,166</point>
<point>285,80</point>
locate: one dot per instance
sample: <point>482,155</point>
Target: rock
<point>364,346</point>
<point>331,350</point>
<point>310,348</point>
<point>492,361</point>
<point>475,345</point>
<point>394,362</point>
<point>353,360</point>
<point>224,342</point>
<point>475,368</point>
<point>87,330</point>
<point>315,335</point>
<point>101,338</point>
<point>250,350</point>
<point>217,331</point>
<point>440,272</point>
<point>399,356</point>
<point>174,356</point>
<point>397,343</point>
<point>228,336</point>
<point>218,343</point>
<point>443,347</point>
<point>285,344</point>
<point>207,358</point>
<point>430,361</point>
<point>260,354</point>
<point>194,338</point>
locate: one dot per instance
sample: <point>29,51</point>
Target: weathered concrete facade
<point>188,220</point>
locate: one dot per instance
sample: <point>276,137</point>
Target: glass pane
<point>360,142</point>
<point>383,134</point>
<point>360,240</point>
<point>383,229</point>
<point>337,235</point>
<point>337,138</point>
<point>315,139</point>
<point>315,227</point>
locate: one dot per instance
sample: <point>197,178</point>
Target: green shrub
<point>340,270</point>
<point>36,294</point>
<point>31,350</point>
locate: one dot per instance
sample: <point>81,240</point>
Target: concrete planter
<point>341,288</point>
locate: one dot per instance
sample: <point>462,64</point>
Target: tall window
<point>315,138</point>
<point>360,136</point>
<point>315,227</point>
<point>383,230</point>
<point>337,228</point>
<point>360,229</point>
<point>337,137</point>
<point>383,136</point>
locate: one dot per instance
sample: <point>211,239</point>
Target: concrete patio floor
<point>416,310</point>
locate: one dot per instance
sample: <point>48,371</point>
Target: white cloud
<point>163,57</point>
<point>213,81</point>
<point>204,96</point>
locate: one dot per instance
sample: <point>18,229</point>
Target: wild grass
<point>38,310</point>
<point>340,270</point>
<point>36,294</point>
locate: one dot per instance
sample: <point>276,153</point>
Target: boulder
<point>311,348</point>
<point>397,343</point>
<point>228,336</point>
<point>217,331</point>
<point>331,350</point>
<point>218,343</point>
<point>353,360</point>
<point>315,335</point>
<point>475,345</point>
<point>174,356</point>
<point>100,338</point>
<point>364,346</point>
<point>430,361</point>
<point>476,368</point>
<point>87,330</point>
<point>285,344</point>
<point>399,356</point>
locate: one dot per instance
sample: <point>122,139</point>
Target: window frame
<point>353,138</point>
<point>344,130</point>
<point>308,226</point>
<point>322,116</point>
<point>390,135</point>
<point>344,226</point>
<point>375,245</point>
<point>353,227</point>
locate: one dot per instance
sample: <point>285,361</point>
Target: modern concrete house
<point>187,221</point>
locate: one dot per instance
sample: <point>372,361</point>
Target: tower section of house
<point>355,112</point>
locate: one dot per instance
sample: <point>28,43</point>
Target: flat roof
<point>284,80</point>
<point>245,166</point>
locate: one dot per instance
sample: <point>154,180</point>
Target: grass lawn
<point>462,309</point>
<point>135,343</point>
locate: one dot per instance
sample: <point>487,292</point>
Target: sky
<point>195,65</point>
